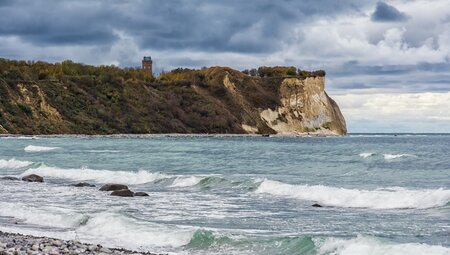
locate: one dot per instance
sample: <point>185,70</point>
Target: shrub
<point>25,108</point>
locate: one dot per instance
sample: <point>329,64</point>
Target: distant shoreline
<point>211,135</point>
<point>173,135</point>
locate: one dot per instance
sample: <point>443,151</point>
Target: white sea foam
<point>395,156</point>
<point>367,245</point>
<point>107,228</point>
<point>186,181</point>
<point>50,218</point>
<point>14,163</point>
<point>20,137</point>
<point>128,232</point>
<point>366,154</point>
<point>394,198</point>
<point>102,176</point>
<point>34,148</point>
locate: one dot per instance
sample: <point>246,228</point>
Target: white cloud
<point>406,112</point>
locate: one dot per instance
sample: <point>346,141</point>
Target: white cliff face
<point>305,108</point>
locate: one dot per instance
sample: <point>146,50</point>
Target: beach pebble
<point>56,243</point>
<point>35,247</point>
<point>16,244</point>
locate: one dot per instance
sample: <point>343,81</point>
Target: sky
<point>387,62</point>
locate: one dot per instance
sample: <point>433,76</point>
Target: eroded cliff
<point>107,100</point>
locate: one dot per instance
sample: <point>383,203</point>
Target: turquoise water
<point>381,194</point>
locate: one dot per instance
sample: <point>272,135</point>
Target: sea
<point>379,193</point>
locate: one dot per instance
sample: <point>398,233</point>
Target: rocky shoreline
<point>17,244</point>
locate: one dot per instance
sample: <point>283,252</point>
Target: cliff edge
<point>70,98</point>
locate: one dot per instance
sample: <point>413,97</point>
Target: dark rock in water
<point>316,205</point>
<point>265,135</point>
<point>140,194</point>
<point>123,193</point>
<point>82,184</point>
<point>32,178</point>
<point>113,186</point>
<point>10,178</point>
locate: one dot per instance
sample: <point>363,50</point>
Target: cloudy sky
<point>387,62</point>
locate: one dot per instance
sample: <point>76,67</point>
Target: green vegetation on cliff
<point>72,98</point>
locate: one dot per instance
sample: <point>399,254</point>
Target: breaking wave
<point>395,156</point>
<point>227,244</point>
<point>14,163</point>
<point>393,198</point>
<point>366,154</point>
<point>111,228</point>
<point>141,177</point>
<point>49,218</point>
<point>116,229</point>
<point>34,148</point>
<point>222,243</point>
<point>373,246</point>
<point>386,156</point>
<point>101,176</point>
<point>186,181</point>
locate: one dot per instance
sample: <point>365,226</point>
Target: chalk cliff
<point>70,98</point>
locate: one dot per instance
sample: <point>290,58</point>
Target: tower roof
<point>147,58</point>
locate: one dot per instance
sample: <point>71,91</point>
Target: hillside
<point>71,98</point>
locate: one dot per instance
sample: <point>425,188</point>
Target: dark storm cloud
<point>423,77</point>
<point>56,23</point>
<point>219,26</point>
<point>387,13</point>
<point>354,68</point>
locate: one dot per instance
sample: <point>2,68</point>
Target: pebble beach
<point>17,244</point>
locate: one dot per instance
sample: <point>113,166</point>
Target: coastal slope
<point>71,98</point>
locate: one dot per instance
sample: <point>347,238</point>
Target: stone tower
<point>147,64</point>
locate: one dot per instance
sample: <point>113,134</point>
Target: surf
<point>13,163</point>
<point>383,198</point>
<point>99,176</point>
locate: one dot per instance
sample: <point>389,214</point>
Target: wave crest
<point>101,176</point>
<point>395,156</point>
<point>186,181</point>
<point>50,218</point>
<point>366,154</point>
<point>228,244</point>
<point>34,148</point>
<point>395,198</point>
<point>369,245</point>
<point>14,163</point>
<point>117,229</point>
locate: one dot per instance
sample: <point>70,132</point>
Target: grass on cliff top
<point>38,70</point>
